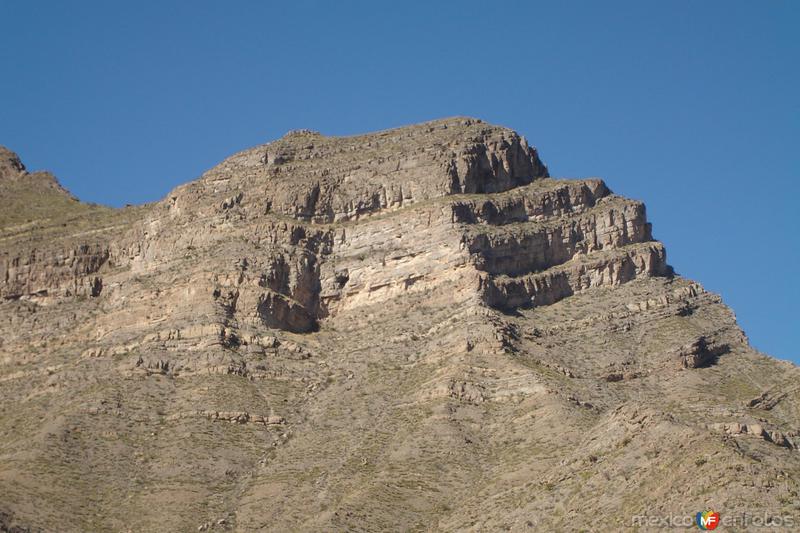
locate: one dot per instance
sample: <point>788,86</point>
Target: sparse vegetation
<point>189,389</point>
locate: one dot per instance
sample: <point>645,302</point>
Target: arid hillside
<point>411,330</point>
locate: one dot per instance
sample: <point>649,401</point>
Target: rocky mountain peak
<point>319,179</point>
<point>415,328</point>
<point>30,199</point>
<point>10,164</point>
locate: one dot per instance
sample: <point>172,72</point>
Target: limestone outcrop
<point>453,340</point>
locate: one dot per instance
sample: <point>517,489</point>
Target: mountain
<point>414,329</point>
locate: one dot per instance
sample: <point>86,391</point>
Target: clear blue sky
<point>689,106</point>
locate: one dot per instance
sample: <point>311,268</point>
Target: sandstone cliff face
<point>411,329</point>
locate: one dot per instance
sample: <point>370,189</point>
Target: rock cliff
<point>414,329</point>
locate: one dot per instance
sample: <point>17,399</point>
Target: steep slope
<point>414,329</point>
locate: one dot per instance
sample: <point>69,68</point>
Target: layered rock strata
<point>414,329</point>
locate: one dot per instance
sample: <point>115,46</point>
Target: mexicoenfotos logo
<point>707,520</point>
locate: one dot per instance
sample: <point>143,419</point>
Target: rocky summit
<point>411,330</point>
